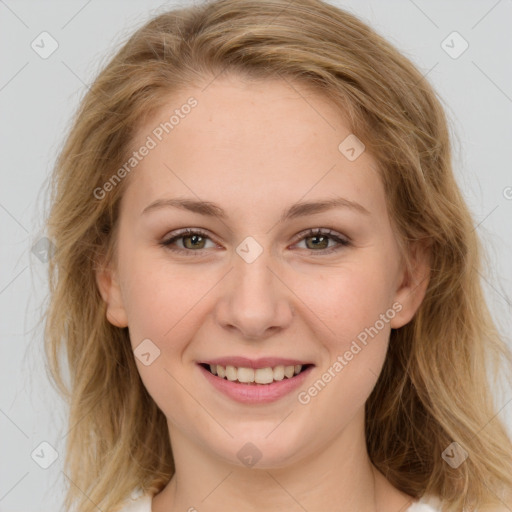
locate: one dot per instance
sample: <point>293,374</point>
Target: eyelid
<point>341,239</point>
<point>181,233</point>
<point>322,231</point>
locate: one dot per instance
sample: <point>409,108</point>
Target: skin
<point>255,148</point>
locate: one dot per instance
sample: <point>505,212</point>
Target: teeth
<point>231,373</point>
<point>289,371</point>
<point>245,375</point>
<point>262,375</point>
<point>279,372</point>
<point>258,376</point>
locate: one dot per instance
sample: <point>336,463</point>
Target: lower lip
<point>256,393</point>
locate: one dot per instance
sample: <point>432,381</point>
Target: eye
<point>320,239</point>
<point>192,240</point>
<point>195,240</point>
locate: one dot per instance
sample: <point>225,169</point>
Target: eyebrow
<point>300,209</point>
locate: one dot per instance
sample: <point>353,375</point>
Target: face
<point>251,287</point>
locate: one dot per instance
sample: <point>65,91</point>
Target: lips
<point>251,392</point>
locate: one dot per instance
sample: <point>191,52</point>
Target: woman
<point>267,280</point>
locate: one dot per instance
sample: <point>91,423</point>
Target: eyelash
<point>343,242</point>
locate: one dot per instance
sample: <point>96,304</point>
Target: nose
<point>254,300</point>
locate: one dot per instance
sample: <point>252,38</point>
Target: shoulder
<point>137,502</point>
<point>432,504</point>
<point>422,507</point>
<point>425,504</point>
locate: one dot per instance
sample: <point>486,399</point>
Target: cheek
<point>355,308</point>
<point>164,306</point>
<point>165,302</point>
<point>162,300</point>
<point>348,300</point>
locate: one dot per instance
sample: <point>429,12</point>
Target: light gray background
<point>38,96</point>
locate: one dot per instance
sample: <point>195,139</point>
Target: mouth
<point>256,376</point>
<point>255,382</point>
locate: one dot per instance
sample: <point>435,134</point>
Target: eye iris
<point>323,244</point>
<point>195,238</point>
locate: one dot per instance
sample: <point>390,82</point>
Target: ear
<point>110,291</point>
<point>413,284</point>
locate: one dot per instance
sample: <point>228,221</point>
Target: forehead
<point>244,141</point>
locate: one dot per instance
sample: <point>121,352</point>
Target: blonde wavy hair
<point>435,386</point>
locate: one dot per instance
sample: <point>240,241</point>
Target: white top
<point>139,502</point>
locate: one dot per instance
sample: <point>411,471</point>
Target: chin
<point>261,450</point>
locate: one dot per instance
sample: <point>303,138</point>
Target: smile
<point>266,383</point>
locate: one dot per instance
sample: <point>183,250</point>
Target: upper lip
<point>262,362</point>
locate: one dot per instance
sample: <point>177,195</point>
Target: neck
<point>338,477</point>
